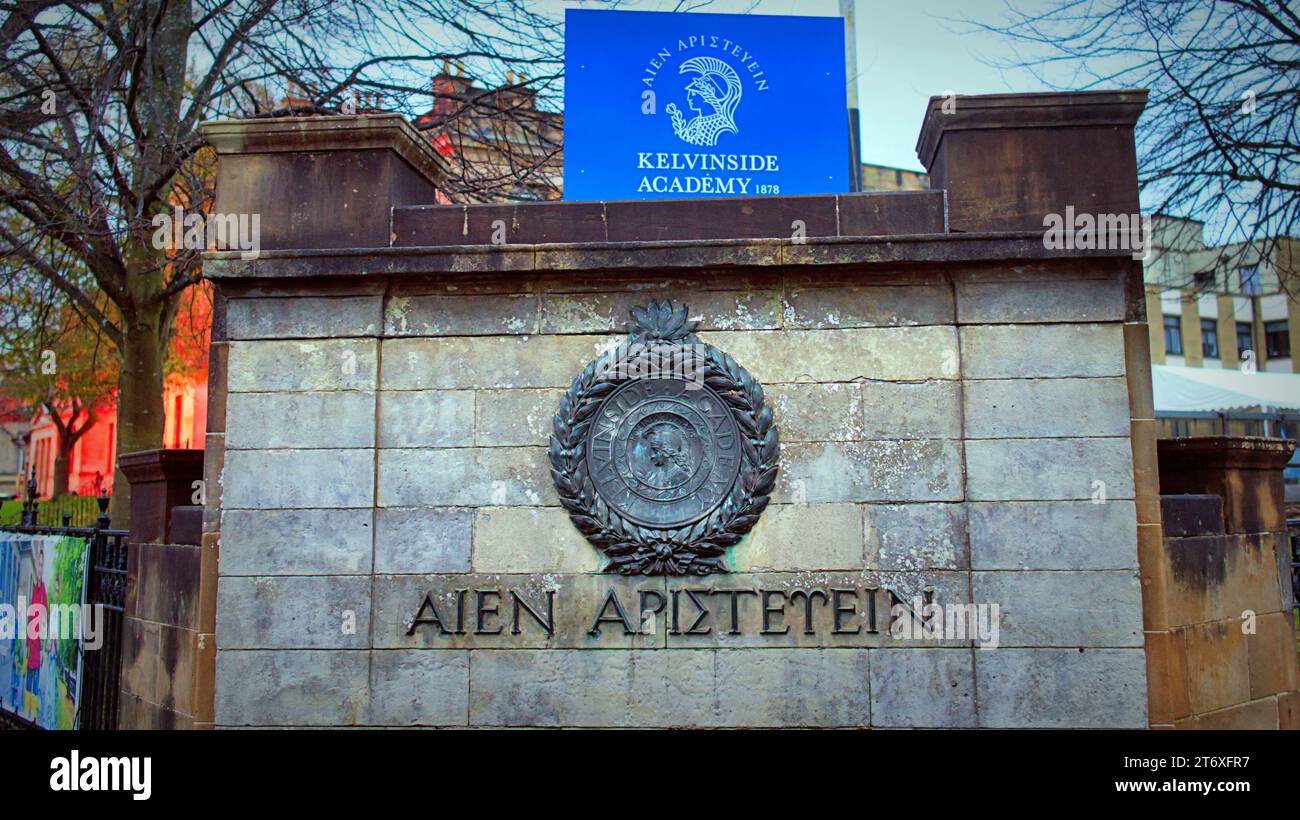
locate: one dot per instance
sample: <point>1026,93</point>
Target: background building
<point>498,144</point>
<point>1220,306</point>
<point>888,178</point>
<point>1224,325</point>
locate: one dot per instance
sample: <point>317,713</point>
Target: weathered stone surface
<point>296,542</point>
<point>487,362</point>
<point>658,284</point>
<point>868,306</point>
<point>1017,408</point>
<point>422,539</point>
<point>511,418</point>
<point>332,418</point>
<point>1259,715</point>
<point>1061,688</point>
<point>460,477</point>
<point>303,317</point>
<point>570,604</point>
<point>285,479</point>
<point>140,649</point>
<point>426,418</point>
<point>1042,351</point>
<point>1053,535</point>
<point>324,364</point>
<point>535,688</point>
<point>293,612</point>
<point>913,410</point>
<point>802,536</point>
<point>608,312</point>
<point>674,689</point>
<point>291,687</point>
<point>214,463</point>
<point>913,537</point>
<point>1272,655</point>
<point>419,688</point>
<point>649,688</point>
<point>446,314</point>
<point>982,298</point>
<point>922,688</point>
<point>1048,469</point>
<point>795,687</point>
<point>1094,608</point>
<point>816,412</point>
<point>886,353</point>
<point>1218,663</point>
<point>1218,578</point>
<point>916,470</point>
<point>540,539</point>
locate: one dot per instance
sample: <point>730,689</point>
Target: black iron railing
<point>106,592</point>
<point>1293,528</point>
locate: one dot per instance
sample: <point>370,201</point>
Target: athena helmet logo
<point>713,95</point>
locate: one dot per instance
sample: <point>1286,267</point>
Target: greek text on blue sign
<point>664,105</point>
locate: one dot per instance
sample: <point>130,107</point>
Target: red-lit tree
<point>55,360</point>
<point>99,109</point>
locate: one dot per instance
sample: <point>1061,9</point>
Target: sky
<point>908,50</point>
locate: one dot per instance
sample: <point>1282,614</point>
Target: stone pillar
<point>1006,160</point>
<point>323,182</point>
<point>1221,643</point>
<point>160,480</point>
<point>162,651</point>
<point>1245,472</point>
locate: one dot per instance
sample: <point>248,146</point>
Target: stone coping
<point>319,134</point>
<point>1211,453</point>
<point>876,213</point>
<point>161,464</point>
<point>1034,110</point>
<point>702,255</point>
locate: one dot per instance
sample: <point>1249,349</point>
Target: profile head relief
<point>717,84</point>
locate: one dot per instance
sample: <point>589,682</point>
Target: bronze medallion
<point>664,451</point>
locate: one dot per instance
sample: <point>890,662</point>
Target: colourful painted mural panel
<point>42,611</point>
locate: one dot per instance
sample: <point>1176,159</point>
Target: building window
<point>1248,278</point>
<point>1173,336</point>
<point>1245,338</point>
<point>1277,339</point>
<point>1209,339</point>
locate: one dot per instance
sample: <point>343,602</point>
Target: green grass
<point>49,513</point>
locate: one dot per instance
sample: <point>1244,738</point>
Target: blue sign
<point>661,104</point>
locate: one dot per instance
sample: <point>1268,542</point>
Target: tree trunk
<point>62,461</point>
<point>140,383</point>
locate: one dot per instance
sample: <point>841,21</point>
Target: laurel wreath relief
<point>658,333</point>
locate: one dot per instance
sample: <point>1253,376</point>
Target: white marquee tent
<point>1205,389</point>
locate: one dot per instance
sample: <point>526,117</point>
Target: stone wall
<point>965,418</point>
<point>942,428</point>
<point>1221,639</point>
<point>169,620</point>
